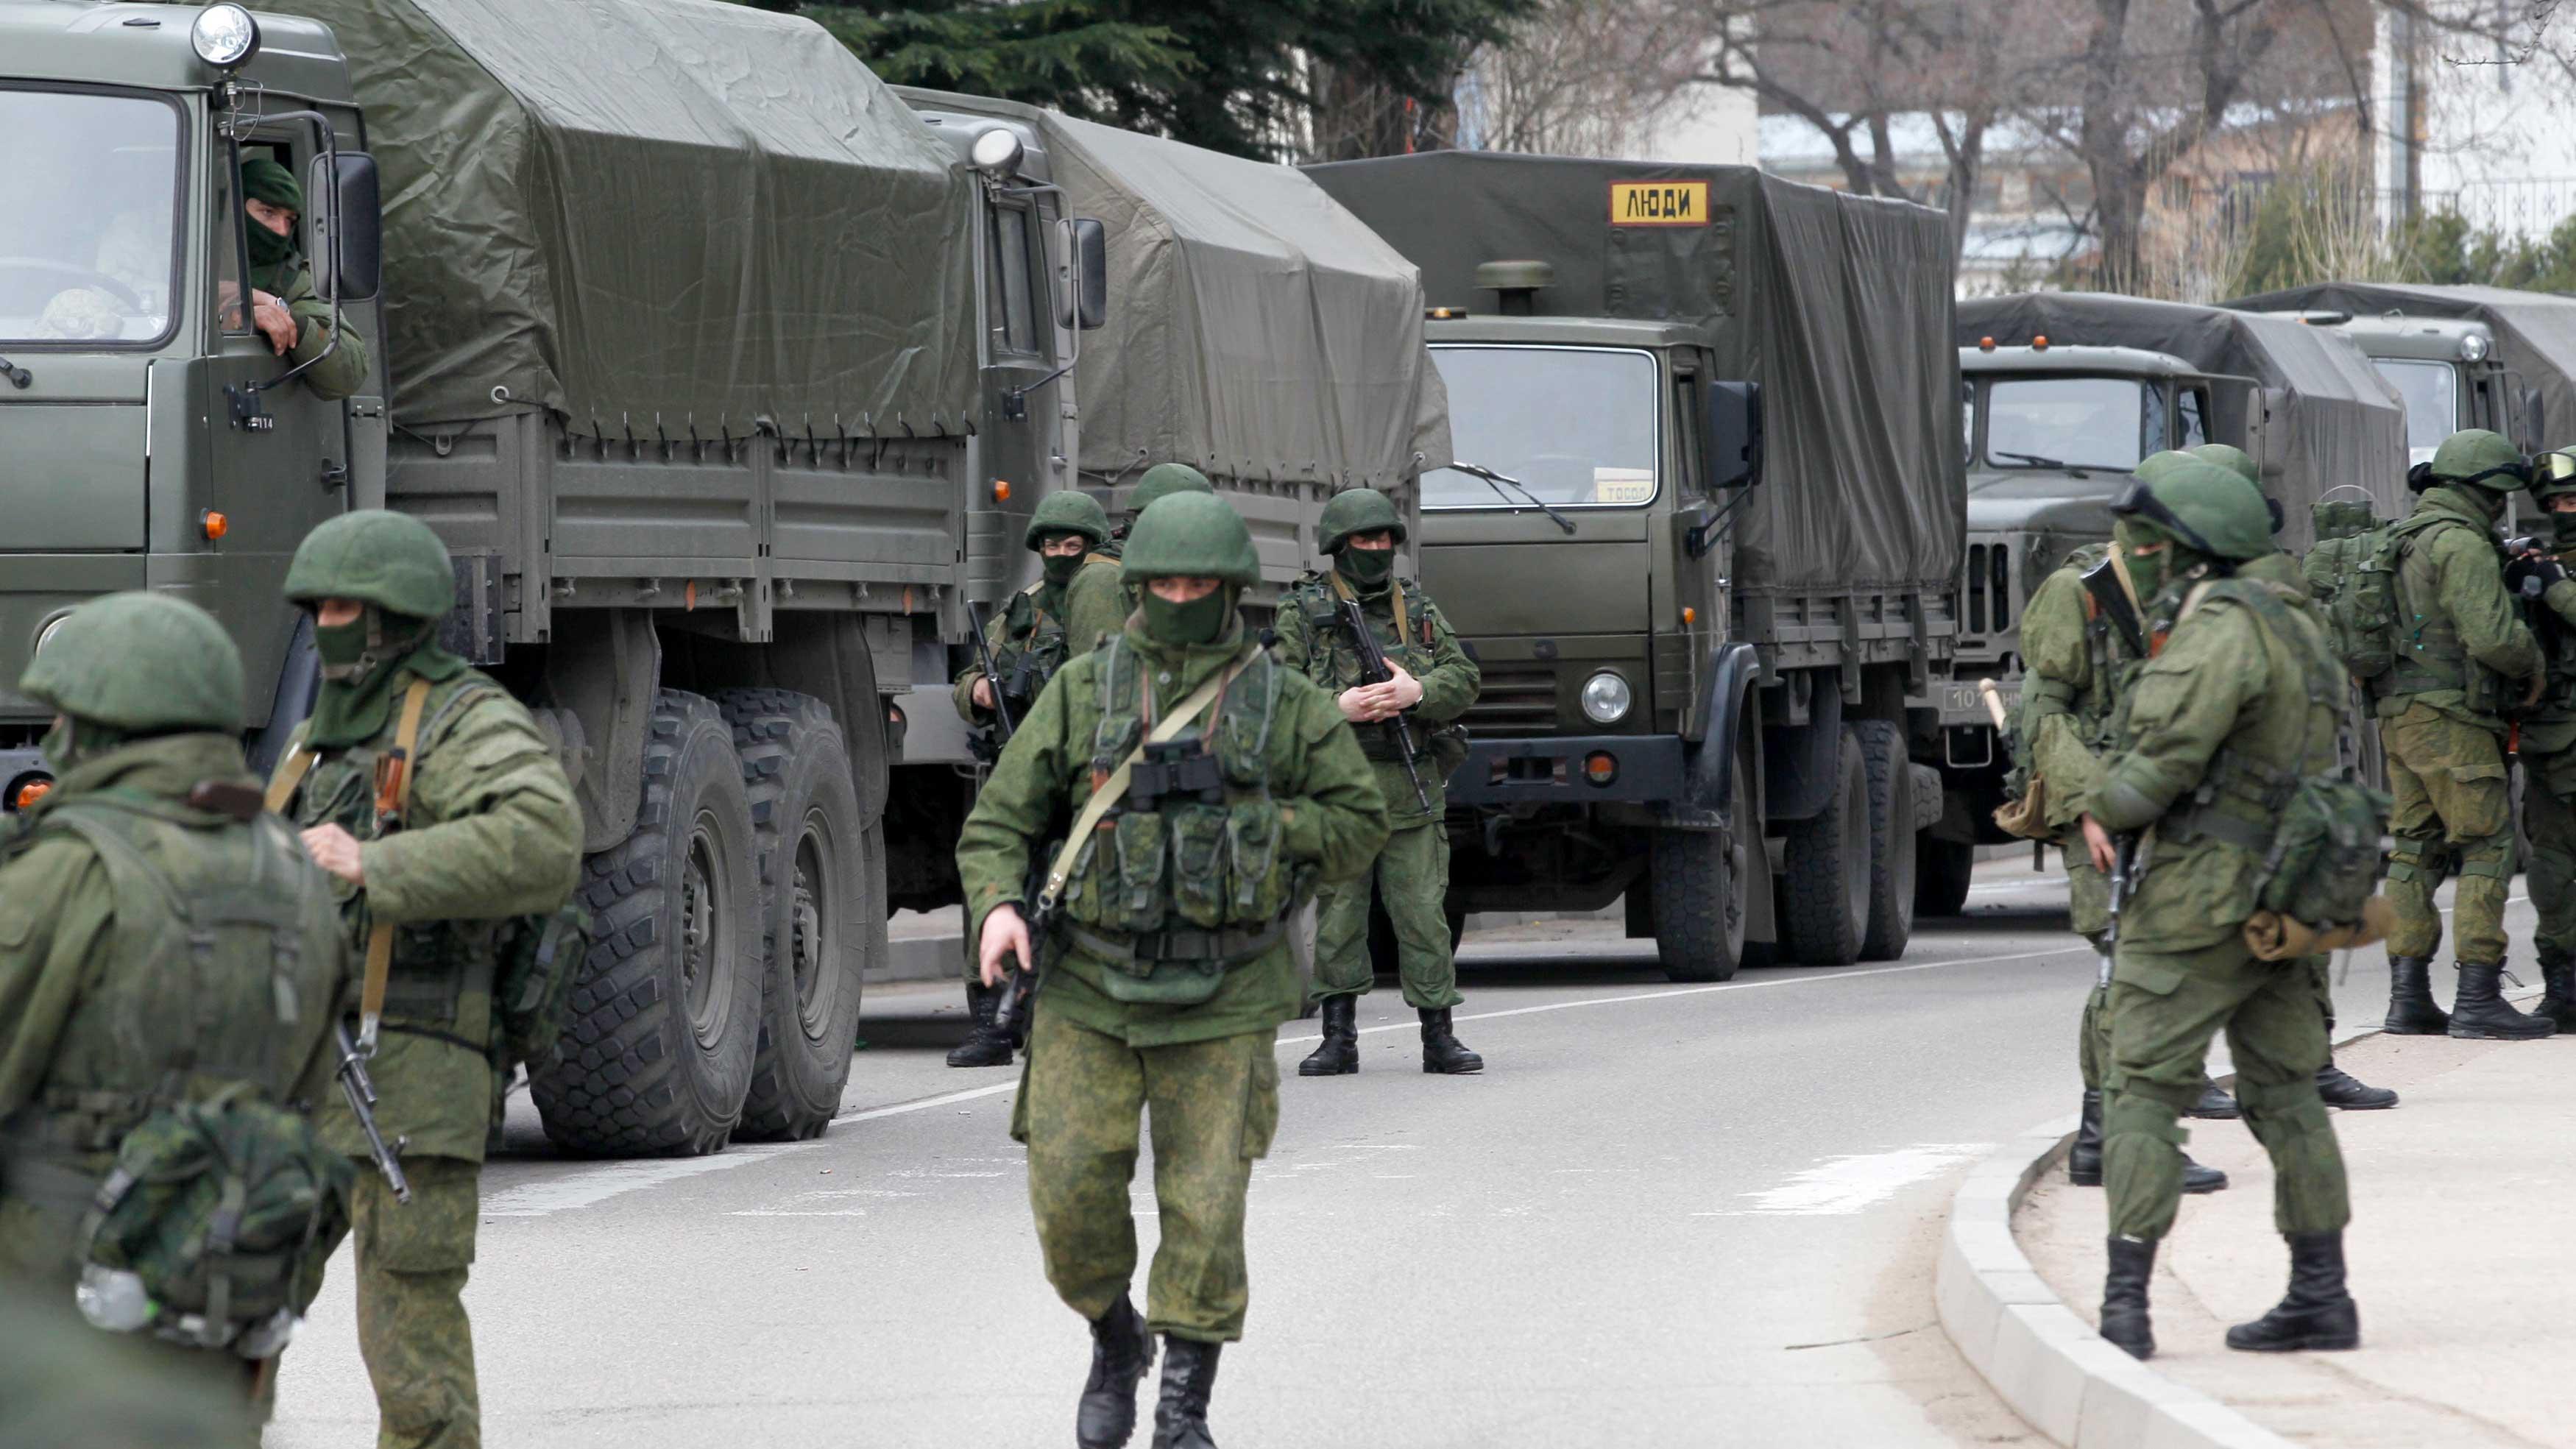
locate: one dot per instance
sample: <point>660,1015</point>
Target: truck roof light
<point>997,153</point>
<point>2039,344</point>
<point>2473,348</point>
<point>225,36</point>
<point>1985,344</point>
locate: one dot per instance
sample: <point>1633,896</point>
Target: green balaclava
<point>1366,568</point>
<point>1058,569</point>
<point>361,662</point>
<point>1190,535</point>
<point>2147,571</point>
<point>1200,621</point>
<point>397,570</point>
<point>68,742</point>
<point>265,180</point>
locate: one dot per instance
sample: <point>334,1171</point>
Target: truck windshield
<point>2432,398</point>
<point>88,241</point>
<point>1576,426</point>
<point>2084,422</point>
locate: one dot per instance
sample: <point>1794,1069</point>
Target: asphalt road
<point>1664,1214</point>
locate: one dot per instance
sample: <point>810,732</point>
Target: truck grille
<point>1989,588</point>
<point>1514,701</point>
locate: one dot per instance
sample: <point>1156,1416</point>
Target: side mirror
<point>1735,434</point>
<point>1086,304</point>
<point>2534,424</point>
<point>350,247</point>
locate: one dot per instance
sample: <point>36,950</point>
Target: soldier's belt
<point>1229,947</point>
<point>2207,822</point>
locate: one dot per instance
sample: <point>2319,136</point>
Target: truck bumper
<point>1645,769</point>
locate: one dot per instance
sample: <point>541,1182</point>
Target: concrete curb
<point>2046,1362</point>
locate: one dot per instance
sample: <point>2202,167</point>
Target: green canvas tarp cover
<point>672,212</point>
<point>1839,306</point>
<point>2334,420</point>
<point>2535,332</point>
<point>1256,329</point>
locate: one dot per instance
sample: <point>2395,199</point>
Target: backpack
<point>2352,572</point>
<point>533,984</point>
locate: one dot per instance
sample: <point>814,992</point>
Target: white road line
<point>593,1183</point>
<point>1840,1186</point>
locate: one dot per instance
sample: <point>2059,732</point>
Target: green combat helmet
<point>2205,508</point>
<point>2553,473</point>
<point>1071,511</point>
<point>2158,465</point>
<point>1162,481</point>
<point>140,662</point>
<point>2235,460</point>
<point>2485,459</point>
<point>1191,535</point>
<point>375,556</point>
<point>1357,510</point>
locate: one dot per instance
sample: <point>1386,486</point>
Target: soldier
<point>2549,733</point>
<point>284,307</point>
<point>2463,652</point>
<point>2079,652</point>
<point>481,829</point>
<point>2243,696</point>
<point>151,845</point>
<point>1434,682</point>
<point>1167,977</point>
<point>1097,602</point>
<point>1028,648</point>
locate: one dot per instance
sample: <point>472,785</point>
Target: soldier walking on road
<point>1028,648</point>
<point>431,798</point>
<point>165,950</point>
<point>2225,727</point>
<point>2540,575</point>
<point>1097,601</point>
<point>2463,653</point>
<point>1433,682</point>
<point>1207,787</point>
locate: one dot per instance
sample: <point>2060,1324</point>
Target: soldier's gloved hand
<point>2531,574</point>
<point>1005,936</point>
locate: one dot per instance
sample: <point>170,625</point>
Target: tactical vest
<point>1033,647</point>
<point>1333,660</point>
<point>436,964</point>
<point>2429,655</point>
<point>2557,640</point>
<point>1192,862</point>
<point>224,956</point>
<point>2249,781</point>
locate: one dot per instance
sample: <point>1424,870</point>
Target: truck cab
<point>2446,371</point>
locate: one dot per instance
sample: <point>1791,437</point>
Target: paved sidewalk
<point>2464,1206</point>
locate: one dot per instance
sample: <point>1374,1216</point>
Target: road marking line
<point>1840,1186</point>
<point>598,1181</point>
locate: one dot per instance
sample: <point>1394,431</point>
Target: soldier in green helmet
<point>1097,602</point>
<point>481,829</point>
<point>284,306</point>
<point>2464,656</point>
<point>1208,789</point>
<point>2232,715</point>
<point>2538,576</point>
<point>163,944</point>
<point>1028,647</point>
<point>1434,682</point>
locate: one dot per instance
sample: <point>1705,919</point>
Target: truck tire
<point>1824,891</point>
<point>821,878</point>
<point>1891,839</point>
<point>1699,918</point>
<point>1943,870</point>
<point>664,1018</point>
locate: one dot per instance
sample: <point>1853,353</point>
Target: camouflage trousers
<point>1214,1107</point>
<point>1412,880</point>
<point>412,1259</point>
<point>2165,1006</point>
<point>2548,785</point>
<point>2448,780</point>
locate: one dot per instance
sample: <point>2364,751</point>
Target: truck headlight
<point>1606,698</point>
<point>225,36</point>
<point>47,632</point>
<point>2473,348</point>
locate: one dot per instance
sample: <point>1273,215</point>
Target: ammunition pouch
<point>1174,968</point>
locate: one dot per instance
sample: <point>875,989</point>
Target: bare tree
<point>1579,78</point>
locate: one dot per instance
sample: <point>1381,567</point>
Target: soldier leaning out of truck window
<point>284,308</point>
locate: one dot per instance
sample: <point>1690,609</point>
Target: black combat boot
<point>986,1045</point>
<point>2558,989</point>
<point>2318,1313</point>
<point>1441,1051</point>
<point>2124,1297</point>
<point>2342,1089</point>
<point>1121,1351</point>
<point>2084,1159</point>
<point>2411,1011</point>
<point>2214,1103</point>
<point>1189,1376</point>
<point>2479,1012</point>
<point>1338,1054</point>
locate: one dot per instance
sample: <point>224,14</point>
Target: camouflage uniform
<point>491,833</point>
<point>2549,744</point>
<point>95,1032</point>
<point>1411,876</point>
<point>2459,641</point>
<point>63,1386</point>
<point>289,278</point>
<point>1098,601</point>
<point>1168,969</point>
<point>2243,694</point>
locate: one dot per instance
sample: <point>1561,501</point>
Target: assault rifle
<point>2111,593</point>
<point>1375,670</point>
<point>989,748</point>
<point>1011,1013</point>
<point>2124,868</point>
<point>362,1103</point>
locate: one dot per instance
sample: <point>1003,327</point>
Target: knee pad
<point>2282,1104</point>
<point>2412,859</point>
<point>2489,856</point>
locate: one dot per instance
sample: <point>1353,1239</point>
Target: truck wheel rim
<point>1856,848</point>
<point>706,933</point>
<point>813,924</point>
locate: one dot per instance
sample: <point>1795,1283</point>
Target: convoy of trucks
<point>730,376</point>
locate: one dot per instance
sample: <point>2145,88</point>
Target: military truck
<point>729,387</point>
<point>2460,357</point>
<point>1702,531</point>
<point>2065,393</point>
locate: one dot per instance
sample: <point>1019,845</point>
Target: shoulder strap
<point>289,778</point>
<point>393,797</point>
<point>1114,788</point>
